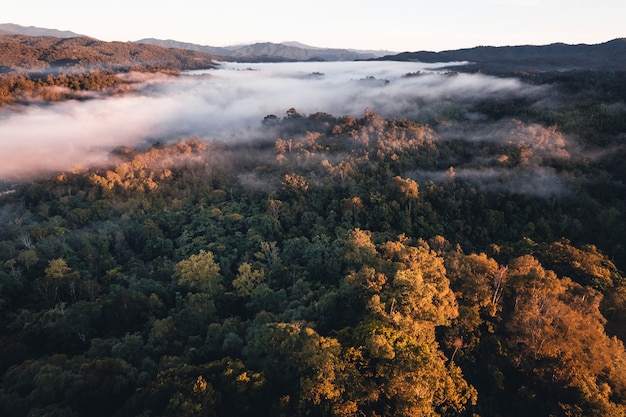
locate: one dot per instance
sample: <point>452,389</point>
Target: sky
<point>392,25</point>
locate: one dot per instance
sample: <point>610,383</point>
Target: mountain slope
<point>560,57</point>
<point>374,52</point>
<point>169,43</point>
<point>265,51</point>
<point>20,53</point>
<point>268,49</point>
<point>11,28</point>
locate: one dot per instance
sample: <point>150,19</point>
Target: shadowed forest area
<point>341,266</point>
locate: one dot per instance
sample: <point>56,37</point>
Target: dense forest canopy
<point>335,266</point>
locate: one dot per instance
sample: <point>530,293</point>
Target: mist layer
<point>227,103</point>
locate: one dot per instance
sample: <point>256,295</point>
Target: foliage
<point>346,266</point>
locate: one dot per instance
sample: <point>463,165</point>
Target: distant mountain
<point>11,28</point>
<point>296,44</point>
<point>374,52</point>
<point>608,56</point>
<point>169,43</point>
<point>266,51</point>
<point>291,53</point>
<point>21,53</point>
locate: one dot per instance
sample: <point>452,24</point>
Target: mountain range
<point>260,51</point>
<point>267,51</point>
<point>48,54</point>
<point>13,29</point>
<point>608,56</point>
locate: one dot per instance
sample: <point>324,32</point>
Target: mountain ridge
<point>12,28</point>
<point>606,56</point>
<point>375,52</point>
<point>24,54</point>
<point>171,43</point>
<point>269,51</point>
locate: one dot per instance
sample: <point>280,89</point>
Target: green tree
<point>199,273</point>
<point>247,279</point>
<point>406,295</point>
<point>294,352</point>
<point>60,282</point>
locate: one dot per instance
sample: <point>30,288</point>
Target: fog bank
<point>227,103</point>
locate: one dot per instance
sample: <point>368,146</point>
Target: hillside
<point>267,51</point>
<point>323,275</point>
<point>461,256</point>
<point>169,43</point>
<point>608,56</point>
<point>374,52</point>
<point>292,53</point>
<point>45,68</point>
<point>24,54</point>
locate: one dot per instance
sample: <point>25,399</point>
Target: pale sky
<point>395,25</point>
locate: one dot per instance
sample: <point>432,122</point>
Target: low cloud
<point>540,143</point>
<point>226,104</point>
<point>43,139</point>
<point>507,156</point>
<point>543,182</point>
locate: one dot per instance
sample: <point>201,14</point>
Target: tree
<point>294,352</point>
<point>28,257</point>
<point>269,254</point>
<point>199,273</point>
<point>352,208</point>
<point>292,113</point>
<point>406,295</point>
<point>271,120</point>
<point>407,190</point>
<point>477,280</point>
<point>225,387</point>
<point>194,312</point>
<point>108,383</point>
<point>587,266</point>
<point>247,279</point>
<point>359,248</point>
<point>59,282</point>
<point>556,332</point>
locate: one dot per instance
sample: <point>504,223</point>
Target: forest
<point>341,266</point>
<point>47,68</point>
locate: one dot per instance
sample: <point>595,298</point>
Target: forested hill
<point>27,54</point>
<point>467,262</point>
<point>268,51</point>
<point>608,56</point>
<point>50,68</point>
<point>292,53</point>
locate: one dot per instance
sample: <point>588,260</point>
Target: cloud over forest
<point>227,104</point>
